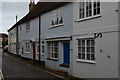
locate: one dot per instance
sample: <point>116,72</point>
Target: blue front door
<point>66,49</point>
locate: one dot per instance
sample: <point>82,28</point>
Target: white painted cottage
<point>80,38</point>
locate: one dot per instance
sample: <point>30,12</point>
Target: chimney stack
<point>31,5</point>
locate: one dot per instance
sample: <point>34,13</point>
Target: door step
<point>63,73</point>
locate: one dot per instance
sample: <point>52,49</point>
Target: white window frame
<point>52,50</point>
<point>42,47</point>
<point>37,46</point>
<point>14,48</point>
<point>57,15</point>
<point>28,26</point>
<point>85,51</point>
<point>85,9</point>
<point>27,46</point>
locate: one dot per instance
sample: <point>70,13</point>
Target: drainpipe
<point>39,38</point>
<point>16,38</point>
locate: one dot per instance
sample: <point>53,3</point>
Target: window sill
<point>37,53</point>
<point>27,52</point>
<point>27,31</point>
<point>56,26</point>
<point>40,54</point>
<point>86,61</point>
<point>64,65</point>
<point>52,59</point>
<point>88,18</point>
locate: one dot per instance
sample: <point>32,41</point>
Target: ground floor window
<point>42,47</point>
<point>86,49</point>
<point>37,46</point>
<point>14,46</point>
<point>27,47</point>
<point>54,50</point>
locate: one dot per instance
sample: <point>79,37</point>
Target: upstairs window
<point>28,26</point>
<point>89,8</point>
<point>57,17</point>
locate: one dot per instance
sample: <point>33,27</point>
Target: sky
<point>8,11</point>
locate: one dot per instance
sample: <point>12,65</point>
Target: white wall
<point>27,36</point>
<point>104,67</point>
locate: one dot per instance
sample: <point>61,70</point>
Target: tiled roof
<point>40,8</point>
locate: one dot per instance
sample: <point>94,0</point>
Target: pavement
<point>15,69</point>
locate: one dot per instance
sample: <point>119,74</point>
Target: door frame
<point>64,54</point>
<point>33,51</point>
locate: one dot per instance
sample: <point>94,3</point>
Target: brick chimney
<point>31,5</point>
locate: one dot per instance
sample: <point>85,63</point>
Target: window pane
<point>79,55</point>
<point>55,43</point>
<point>92,50</point>
<point>94,11</point>
<point>79,49</point>
<point>88,49</point>
<point>42,42</point>
<point>88,42</point>
<point>56,55</point>
<point>98,4</point>
<point>98,10</point>
<point>79,42</point>
<point>61,20</point>
<point>94,4</point>
<point>92,42</point>
<point>88,56</point>
<point>92,57</point>
<point>83,55</point>
<point>83,14</point>
<point>83,49</point>
<point>56,49</point>
<point>52,55</point>
<point>42,51</point>
<point>83,42</point>
<point>38,48</point>
<point>90,12</point>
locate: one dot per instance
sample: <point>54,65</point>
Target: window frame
<point>37,47</point>
<point>27,26</point>
<point>85,9</point>
<point>57,15</point>
<point>52,51</point>
<point>85,60</point>
<point>42,45</point>
<point>27,47</point>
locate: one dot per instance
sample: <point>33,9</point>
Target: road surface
<point>14,68</point>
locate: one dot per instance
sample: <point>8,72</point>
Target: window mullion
<point>92,7</point>
<point>53,50</point>
<point>84,8</point>
<point>85,49</point>
<point>90,49</point>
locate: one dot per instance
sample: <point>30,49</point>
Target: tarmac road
<point>15,69</point>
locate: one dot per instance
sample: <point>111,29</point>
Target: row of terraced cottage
<point>80,38</point>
